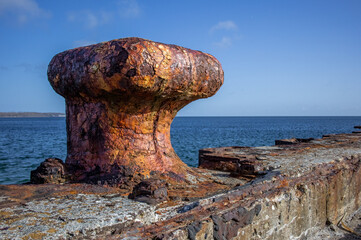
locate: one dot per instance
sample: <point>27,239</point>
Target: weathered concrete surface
<point>121,98</point>
<point>64,214</point>
<point>305,190</point>
<point>68,211</point>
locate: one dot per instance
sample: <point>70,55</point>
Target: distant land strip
<point>29,114</point>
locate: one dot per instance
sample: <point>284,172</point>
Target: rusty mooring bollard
<point>121,98</point>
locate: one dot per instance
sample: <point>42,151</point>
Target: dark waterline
<point>25,142</point>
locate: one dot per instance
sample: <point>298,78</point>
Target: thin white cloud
<point>93,19</point>
<point>22,10</point>
<point>224,42</point>
<point>224,33</point>
<point>128,8</point>
<point>82,43</point>
<point>90,19</point>
<point>225,25</point>
<point>31,67</point>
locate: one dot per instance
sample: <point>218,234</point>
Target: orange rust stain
<point>52,230</point>
<point>35,236</point>
<point>283,184</point>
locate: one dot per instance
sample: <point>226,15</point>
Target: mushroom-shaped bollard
<point>121,98</point>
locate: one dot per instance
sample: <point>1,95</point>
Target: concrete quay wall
<point>293,190</point>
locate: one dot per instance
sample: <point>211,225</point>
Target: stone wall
<point>282,208</point>
<point>303,190</point>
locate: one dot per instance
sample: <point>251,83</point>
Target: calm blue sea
<point>25,142</point>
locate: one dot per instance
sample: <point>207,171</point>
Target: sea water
<point>25,142</point>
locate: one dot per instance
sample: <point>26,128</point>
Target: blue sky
<point>280,58</point>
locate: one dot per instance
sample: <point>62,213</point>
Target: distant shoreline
<point>29,114</point>
<point>52,114</point>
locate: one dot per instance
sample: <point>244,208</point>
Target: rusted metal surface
<point>52,170</point>
<point>121,98</point>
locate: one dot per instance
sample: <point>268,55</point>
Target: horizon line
<point>63,113</point>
